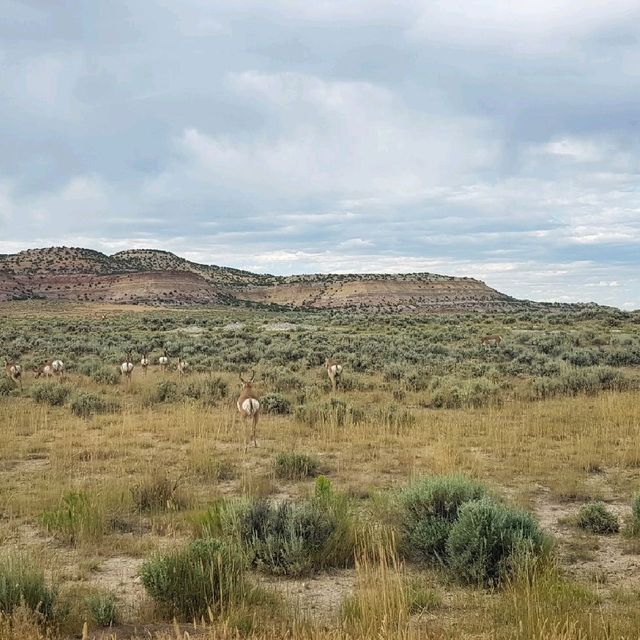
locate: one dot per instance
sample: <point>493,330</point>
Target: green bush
<point>103,609</point>
<point>275,403</point>
<point>595,518</point>
<point>428,509</point>
<point>50,392</point>
<point>205,575</point>
<point>635,515</point>
<point>209,391</point>
<point>105,375</point>
<point>163,391</point>
<point>488,540</point>
<point>455,394</point>
<point>22,583</point>
<point>334,412</point>
<point>76,519</point>
<point>85,404</point>
<point>6,387</point>
<point>294,539</point>
<point>295,466</point>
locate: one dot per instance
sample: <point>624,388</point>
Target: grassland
<point>100,478</point>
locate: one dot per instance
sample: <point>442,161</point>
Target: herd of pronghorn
<point>247,403</point>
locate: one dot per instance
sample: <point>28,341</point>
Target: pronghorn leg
<point>255,425</point>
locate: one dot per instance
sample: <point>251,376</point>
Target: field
<point>112,493</point>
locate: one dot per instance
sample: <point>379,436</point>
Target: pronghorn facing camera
<point>126,368</point>
<point>182,367</point>
<point>334,371</point>
<point>163,360</point>
<point>248,404</point>
<point>144,362</point>
<point>14,372</point>
<point>496,339</point>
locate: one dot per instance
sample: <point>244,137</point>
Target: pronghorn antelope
<point>14,372</point>
<point>334,371</point>
<point>58,367</point>
<point>51,368</point>
<point>144,362</point>
<point>496,339</point>
<point>248,404</point>
<point>126,368</point>
<point>163,360</point>
<point>182,367</point>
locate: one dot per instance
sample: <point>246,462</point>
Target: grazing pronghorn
<point>126,368</point>
<point>144,362</point>
<point>182,367</point>
<point>163,360</point>
<point>491,339</point>
<point>248,405</point>
<point>46,371</point>
<point>14,372</point>
<point>334,371</point>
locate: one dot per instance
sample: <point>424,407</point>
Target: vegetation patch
<point>596,518</point>
<point>290,465</point>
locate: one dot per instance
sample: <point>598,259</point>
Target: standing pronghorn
<point>126,368</point>
<point>14,372</point>
<point>248,405</point>
<point>334,371</point>
<point>57,366</point>
<point>182,366</point>
<point>496,339</point>
<point>144,362</point>
<point>163,361</point>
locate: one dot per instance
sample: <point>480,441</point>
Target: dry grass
<point>549,456</point>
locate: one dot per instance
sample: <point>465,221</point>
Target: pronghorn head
<point>246,384</point>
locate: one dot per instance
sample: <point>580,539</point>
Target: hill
<point>146,276</point>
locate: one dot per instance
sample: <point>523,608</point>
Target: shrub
<point>76,519</point>
<point>595,518</point>
<point>488,540</point>
<point>164,391</point>
<point>293,539</point>
<point>6,387</point>
<point>51,393</point>
<point>275,403</point>
<point>209,391</point>
<point>103,609</point>
<point>156,493</point>
<point>334,412</point>
<point>206,574</point>
<point>21,583</point>
<point>295,466</point>
<point>429,507</point>
<point>634,527</point>
<point>105,375</point>
<point>85,404</point>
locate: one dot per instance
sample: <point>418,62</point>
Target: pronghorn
<point>126,368</point>
<point>182,367</point>
<point>334,371</point>
<point>163,360</point>
<point>144,362</point>
<point>248,404</point>
<point>46,371</point>
<point>58,367</point>
<point>496,339</point>
<point>14,372</point>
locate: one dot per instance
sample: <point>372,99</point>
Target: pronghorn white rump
<point>334,371</point>
<point>248,404</point>
<point>57,367</point>
<point>14,372</point>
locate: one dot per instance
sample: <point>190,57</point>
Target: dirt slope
<point>148,276</point>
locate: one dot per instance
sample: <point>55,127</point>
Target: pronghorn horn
<point>241,378</point>
<point>253,375</point>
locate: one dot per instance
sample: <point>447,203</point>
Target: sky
<point>484,138</point>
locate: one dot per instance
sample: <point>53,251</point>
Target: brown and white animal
<point>334,371</point>
<point>51,368</point>
<point>144,362</point>
<point>248,404</point>
<point>491,339</point>
<point>182,367</point>
<point>163,361</point>
<point>14,372</point>
<point>126,368</point>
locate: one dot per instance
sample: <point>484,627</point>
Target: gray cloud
<point>497,141</point>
